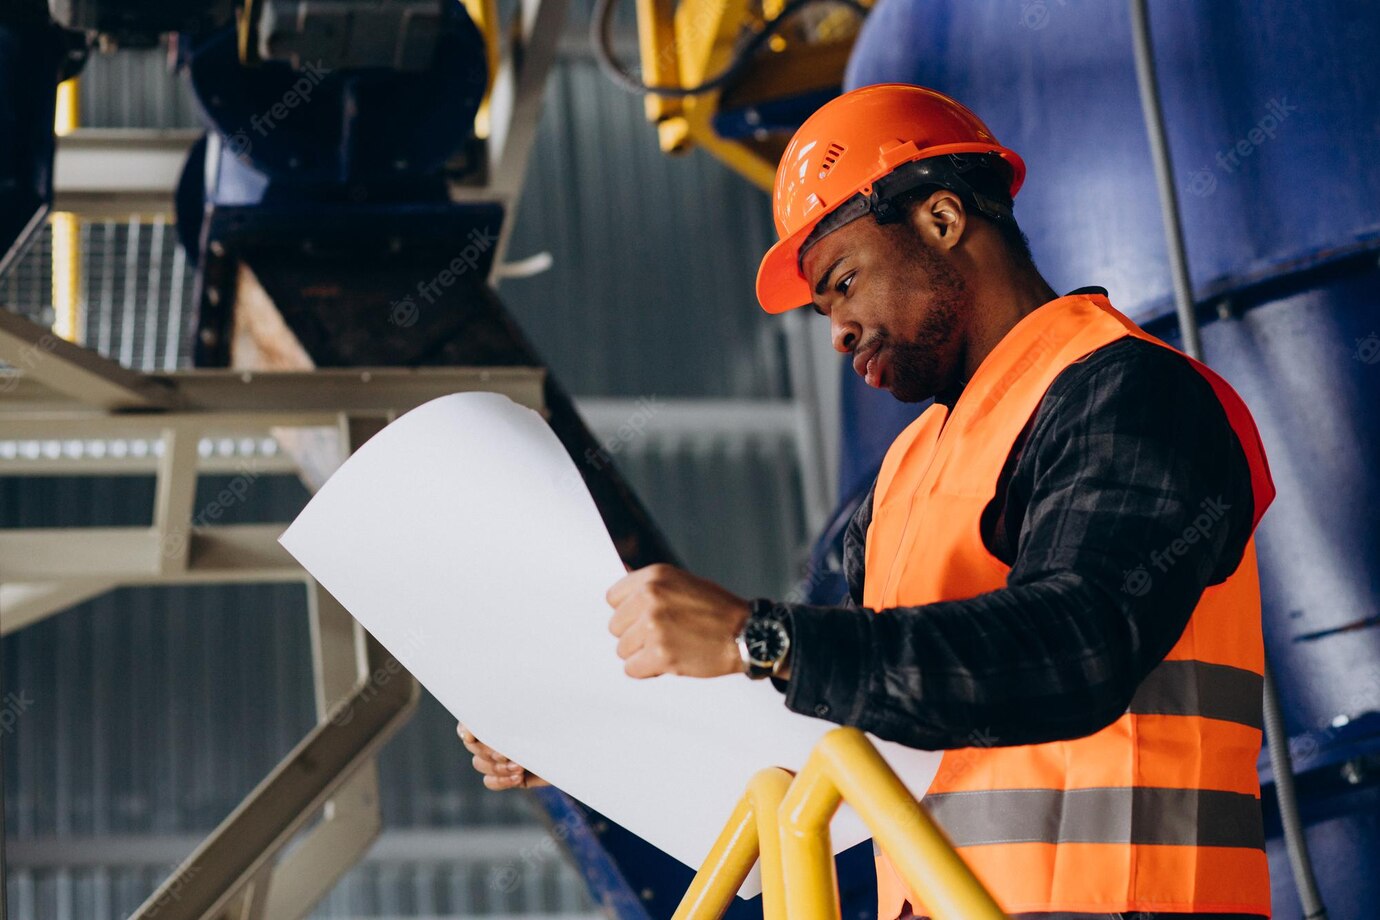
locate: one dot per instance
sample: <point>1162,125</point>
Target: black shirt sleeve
<point>855,547</point>
<point>1130,495</point>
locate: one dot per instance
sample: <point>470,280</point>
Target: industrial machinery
<point>353,147</point>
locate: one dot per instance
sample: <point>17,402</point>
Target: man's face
<point>894,302</point>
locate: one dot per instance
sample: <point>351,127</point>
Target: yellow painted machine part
<point>685,42</point>
<point>485,16</point>
<point>798,879</point>
<point>68,318</point>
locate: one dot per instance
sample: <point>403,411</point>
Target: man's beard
<point>916,372</point>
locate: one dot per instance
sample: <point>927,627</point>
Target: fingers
<point>500,783</point>
<point>498,771</point>
<point>479,748</point>
<point>647,662</point>
<point>634,581</point>
<point>632,639</point>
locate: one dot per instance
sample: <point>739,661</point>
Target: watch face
<point>766,641</point>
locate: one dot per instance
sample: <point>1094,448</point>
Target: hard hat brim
<point>780,285</point>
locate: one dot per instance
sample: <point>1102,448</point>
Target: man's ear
<point>940,219</point>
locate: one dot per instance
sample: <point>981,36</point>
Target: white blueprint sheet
<point>463,538</point>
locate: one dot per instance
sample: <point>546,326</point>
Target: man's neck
<point>1005,297</point>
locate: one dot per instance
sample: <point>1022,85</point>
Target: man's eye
<point>844,283</point>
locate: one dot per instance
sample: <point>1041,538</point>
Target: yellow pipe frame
<point>752,830</point>
<point>786,822</point>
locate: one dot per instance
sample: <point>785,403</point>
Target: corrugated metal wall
<point>651,290</point>
<point>153,710</point>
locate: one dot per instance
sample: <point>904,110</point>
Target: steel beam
<point>25,603</point>
<point>76,372</point>
<point>134,555</point>
<point>519,85</point>
<point>210,878</point>
<point>515,108</point>
<point>235,393</point>
<point>334,846</point>
<point>350,391</point>
<point>102,173</point>
<point>351,820</point>
<point>173,500</point>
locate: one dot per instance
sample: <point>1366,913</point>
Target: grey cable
<point>1164,179</point>
<point>1300,862</point>
<point>1276,738</point>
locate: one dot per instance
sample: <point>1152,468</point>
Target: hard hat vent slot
<point>831,156</point>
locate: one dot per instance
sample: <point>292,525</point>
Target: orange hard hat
<point>843,149</point>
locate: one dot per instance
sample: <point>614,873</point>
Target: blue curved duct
<point>1273,122</point>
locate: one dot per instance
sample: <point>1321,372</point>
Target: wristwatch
<point>765,640</point>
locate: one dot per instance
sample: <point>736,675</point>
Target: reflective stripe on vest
<point>1135,814</point>
<point>1160,810</point>
<point>1198,688</point>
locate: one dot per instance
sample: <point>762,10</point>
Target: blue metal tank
<point>1273,124</point>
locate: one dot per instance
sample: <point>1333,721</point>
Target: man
<point>1053,579</point>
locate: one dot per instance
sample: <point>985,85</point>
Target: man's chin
<point>907,397</point>
<point>909,392</point>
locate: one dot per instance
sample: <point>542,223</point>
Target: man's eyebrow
<point>824,281</point>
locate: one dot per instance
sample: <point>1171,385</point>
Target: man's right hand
<point>499,772</point>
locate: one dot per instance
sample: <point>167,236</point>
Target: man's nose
<point>845,334</point>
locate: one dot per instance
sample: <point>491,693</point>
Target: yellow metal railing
<point>784,822</point>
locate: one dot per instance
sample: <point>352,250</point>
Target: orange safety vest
<point>1159,811</point>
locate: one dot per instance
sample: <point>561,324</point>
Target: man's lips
<point>861,358</point>
<point>876,368</point>
<point>870,365</point>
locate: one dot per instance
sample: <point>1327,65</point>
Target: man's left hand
<point>671,622</point>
